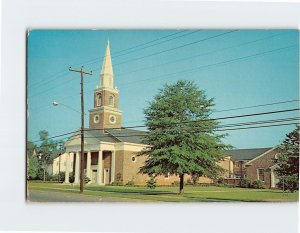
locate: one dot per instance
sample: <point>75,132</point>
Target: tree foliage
<point>288,161</point>
<point>32,161</point>
<point>40,156</point>
<point>181,137</point>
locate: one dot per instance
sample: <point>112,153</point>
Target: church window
<point>111,100</point>
<point>99,100</point>
<point>261,175</point>
<point>112,119</point>
<point>133,159</point>
<point>96,118</point>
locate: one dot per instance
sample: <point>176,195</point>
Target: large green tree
<point>45,152</point>
<point>288,161</point>
<point>32,161</point>
<point>182,138</point>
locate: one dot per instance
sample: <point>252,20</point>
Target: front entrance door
<point>94,177</point>
<point>106,176</point>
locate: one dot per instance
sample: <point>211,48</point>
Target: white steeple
<point>107,74</point>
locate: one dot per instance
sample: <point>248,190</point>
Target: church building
<point>110,151</point>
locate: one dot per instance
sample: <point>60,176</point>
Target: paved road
<point>48,196</point>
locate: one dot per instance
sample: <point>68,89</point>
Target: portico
<point>99,166</point>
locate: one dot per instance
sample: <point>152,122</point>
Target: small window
<point>65,163</point>
<point>133,159</point>
<point>261,174</point>
<point>276,156</point>
<point>112,119</point>
<point>96,118</point>
<point>99,99</point>
<point>111,100</point>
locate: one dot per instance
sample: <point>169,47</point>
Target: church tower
<point>106,113</point>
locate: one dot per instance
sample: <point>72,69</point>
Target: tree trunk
<point>181,184</point>
<point>44,174</point>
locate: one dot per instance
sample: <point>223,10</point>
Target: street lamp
<point>57,104</point>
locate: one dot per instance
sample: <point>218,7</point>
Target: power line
<point>91,61</point>
<point>56,136</point>
<point>178,47</point>
<point>229,129</point>
<point>199,55</point>
<point>219,128</point>
<point>201,120</point>
<point>86,62</point>
<point>149,42</point>
<point>149,46</point>
<point>211,65</point>
<point>186,122</point>
<point>142,135</point>
<point>196,68</point>
<point>255,106</point>
<point>200,67</point>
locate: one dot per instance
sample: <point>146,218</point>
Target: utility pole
<point>241,178</point>
<point>82,72</point>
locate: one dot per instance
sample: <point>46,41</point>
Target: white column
<point>99,168</point>
<point>113,164</point>
<point>88,165</point>
<point>67,170</point>
<point>77,168</point>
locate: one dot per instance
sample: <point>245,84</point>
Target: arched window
<point>99,100</point>
<point>111,100</point>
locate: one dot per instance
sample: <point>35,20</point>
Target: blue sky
<point>236,68</point>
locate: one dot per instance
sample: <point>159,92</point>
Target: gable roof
<point>247,154</point>
<point>92,136</point>
<point>127,135</point>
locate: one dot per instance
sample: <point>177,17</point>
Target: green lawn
<point>169,194</point>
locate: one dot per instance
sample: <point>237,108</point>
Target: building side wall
<point>130,171</point>
<point>263,162</point>
<point>119,164</point>
<point>62,168</point>
<point>227,165</point>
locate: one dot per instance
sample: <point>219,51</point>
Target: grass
<point>169,194</point>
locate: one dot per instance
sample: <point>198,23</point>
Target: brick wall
<point>105,98</point>
<point>263,162</point>
<point>104,120</point>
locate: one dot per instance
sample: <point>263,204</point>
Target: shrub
<point>72,177</point>
<point>151,183</point>
<point>86,179</point>
<point>119,176</point>
<point>245,183</point>
<point>258,184</point>
<point>189,181</point>
<point>175,183</point>
<point>130,183</point>
<point>290,183</point>
<point>195,179</point>
<point>61,177</point>
<point>221,182</point>
<point>117,183</point>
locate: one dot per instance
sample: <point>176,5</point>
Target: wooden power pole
<point>82,72</point>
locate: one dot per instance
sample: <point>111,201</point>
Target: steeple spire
<point>107,74</point>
